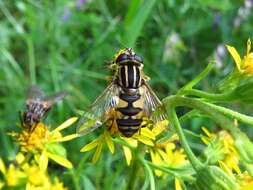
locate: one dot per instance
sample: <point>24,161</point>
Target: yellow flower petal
<point>66,124</point>
<point>156,159</point>
<point>160,127</point>
<point>147,133</point>
<point>131,141</point>
<point>235,56</point>
<point>145,140</point>
<point>109,142</point>
<point>226,169</point>
<point>128,154</point>
<point>163,155</point>
<point>66,138</point>
<point>20,157</point>
<point>43,162</point>
<point>177,184</point>
<point>90,146</point>
<point>97,153</point>
<point>206,131</point>
<point>2,166</point>
<point>205,140</point>
<point>60,160</point>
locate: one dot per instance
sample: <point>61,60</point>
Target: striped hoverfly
<point>37,106</point>
<point>127,102</point>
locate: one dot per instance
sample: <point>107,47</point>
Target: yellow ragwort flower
<point>40,140</point>
<point>145,136</point>
<point>230,162</point>
<point>27,176</point>
<point>245,181</point>
<point>245,64</point>
<point>13,176</point>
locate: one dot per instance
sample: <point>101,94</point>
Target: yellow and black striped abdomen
<point>129,117</point>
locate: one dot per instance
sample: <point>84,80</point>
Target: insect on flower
<point>37,106</point>
<point>128,102</point>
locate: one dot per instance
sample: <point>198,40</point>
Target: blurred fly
<point>127,102</point>
<point>38,105</point>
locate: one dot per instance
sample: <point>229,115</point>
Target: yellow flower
<point>145,136</point>
<point>57,185</point>
<point>98,144</point>
<point>44,144</point>
<point>245,65</point>
<point>177,184</point>
<point>13,176</point>
<point>230,160</point>
<point>27,176</point>
<point>245,181</point>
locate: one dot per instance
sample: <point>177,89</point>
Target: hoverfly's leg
<point>33,127</point>
<point>144,122</point>
<point>113,66</point>
<point>112,126</point>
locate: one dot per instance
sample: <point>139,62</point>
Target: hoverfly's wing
<point>96,115</point>
<point>152,107</point>
<point>51,100</point>
<point>35,93</point>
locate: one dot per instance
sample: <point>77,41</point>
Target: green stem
<point>183,174</point>
<point>74,179</point>
<point>175,122</point>
<point>240,117</point>
<point>215,97</point>
<point>207,108</point>
<point>196,79</point>
<point>150,174</point>
<point>133,175</point>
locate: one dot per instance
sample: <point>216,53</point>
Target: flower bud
<point>213,178</point>
<point>244,147</point>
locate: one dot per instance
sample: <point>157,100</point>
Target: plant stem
<point>215,112</point>
<point>150,174</point>
<point>133,175</point>
<point>192,158</point>
<point>215,97</point>
<point>74,179</point>
<point>196,79</point>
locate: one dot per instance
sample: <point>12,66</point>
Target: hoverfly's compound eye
<point>121,57</point>
<point>138,59</point>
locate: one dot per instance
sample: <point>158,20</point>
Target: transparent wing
<point>97,114</point>
<point>35,93</point>
<point>152,107</point>
<point>50,100</point>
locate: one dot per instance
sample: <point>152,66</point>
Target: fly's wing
<point>152,107</point>
<point>96,115</point>
<point>49,101</point>
<point>34,94</point>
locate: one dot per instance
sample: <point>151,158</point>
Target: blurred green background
<point>66,45</point>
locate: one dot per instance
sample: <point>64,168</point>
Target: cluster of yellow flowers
<point>30,176</point>
<point>229,159</point>
<point>245,64</point>
<point>37,146</point>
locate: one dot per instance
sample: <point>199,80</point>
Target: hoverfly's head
<point>127,56</point>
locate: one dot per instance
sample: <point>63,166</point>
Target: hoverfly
<point>126,101</point>
<point>38,105</point>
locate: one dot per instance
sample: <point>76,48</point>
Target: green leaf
<point>134,26</point>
